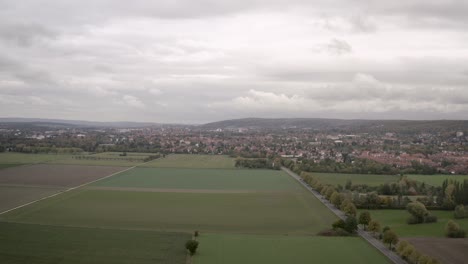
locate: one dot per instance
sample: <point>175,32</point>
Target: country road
<point>374,242</point>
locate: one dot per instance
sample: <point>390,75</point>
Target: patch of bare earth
<point>446,250</point>
<point>54,175</point>
<point>138,189</point>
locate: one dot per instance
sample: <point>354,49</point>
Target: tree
<point>390,238</point>
<point>402,246</point>
<point>424,259</point>
<point>335,199</point>
<point>350,209</point>
<point>418,212</point>
<point>460,212</point>
<point>191,246</point>
<point>364,219</point>
<point>452,229</point>
<point>374,226</point>
<point>407,251</point>
<point>350,224</point>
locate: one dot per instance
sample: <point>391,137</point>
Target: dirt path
<point>370,239</point>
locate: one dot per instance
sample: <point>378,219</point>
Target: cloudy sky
<point>196,61</point>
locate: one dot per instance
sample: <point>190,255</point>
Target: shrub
<point>195,234</point>
<point>412,220</point>
<point>453,230</point>
<point>334,232</point>
<point>402,246</point>
<point>338,224</point>
<point>191,246</point>
<point>460,212</point>
<point>430,219</point>
<point>418,211</point>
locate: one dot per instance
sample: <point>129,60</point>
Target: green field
<point>213,179</point>
<point>23,158</point>
<point>341,178</point>
<point>257,213</point>
<point>42,244</point>
<point>396,220</point>
<point>248,249</point>
<point>437,180</point>
<point>193,161</point>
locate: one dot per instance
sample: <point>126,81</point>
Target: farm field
<point>106,159</point>
<point>292,214</point>
<point>4,166</point>
<point>396,220</point>
<point>23,158</point>
<point>284,249</point>
<point>54,175</point>
<point>437,180</point>
<point>341,178</point>
<point>447,250</point>
<point>12,196</point>
<point>193,161</point>
<point>203,179</point>
<point>25,243</point>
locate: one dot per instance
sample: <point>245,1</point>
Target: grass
<point>247,249</point>
<point>193,161</point>
<point>215,179</point>
<point>256,213</point>
<point>341,178</point>
<point>396,220</point>
<point>39,244</point>
<point>437,180</point>
<point>12,196</point>
<point>23,158</point>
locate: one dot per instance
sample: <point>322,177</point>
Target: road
<point>370,239</point>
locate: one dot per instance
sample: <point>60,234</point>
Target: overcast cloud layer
<point>199,61</point>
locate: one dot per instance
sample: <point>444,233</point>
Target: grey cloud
<point>25,34</point>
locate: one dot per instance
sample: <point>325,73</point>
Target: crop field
<point>12,196</point>
<point>54,175</point>
<point>106,159</point>
<point>447,250</point>
<point>145,214</point>
<point>284,249</point>
<point>193,161</point>
<point>41,244</point>
<point>22,158</point>
<point>437,180</point>
<point>203,179</point>
<point>369,179</point>
<point>396,220</point>
<point>292,213</point>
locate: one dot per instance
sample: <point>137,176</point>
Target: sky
<point>197,61</point>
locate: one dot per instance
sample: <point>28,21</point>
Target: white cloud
<point>133,101</point>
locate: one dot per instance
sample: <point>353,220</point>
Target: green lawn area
<point>42,244</point>
<point>214,179</point>
<point>249,249</point>
<point>193,161</point>
<point>12,196</point>
<point>396,220</point>
<point>256,213</point>
<point>23,158</point>
<point>437,180</point>
<point>341,178</point>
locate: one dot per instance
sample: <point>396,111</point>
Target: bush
<point>430,219</point>
<point>334,232</point>
<point>460,212</point>
<point>412,220</point>
<point>191,246</point>
<point>401,247</point>
<point>338,224</point>
<point>453,230</point>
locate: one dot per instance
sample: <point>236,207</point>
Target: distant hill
<point>340,124</point>
<point>79,123</point>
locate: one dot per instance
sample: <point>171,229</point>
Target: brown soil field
<point>54,175</point>
<point>446,250</point>
<point>13,196</point>
<point>137,189</point>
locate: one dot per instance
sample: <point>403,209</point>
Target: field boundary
<point>371,240</point>
<point>69,189</point>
